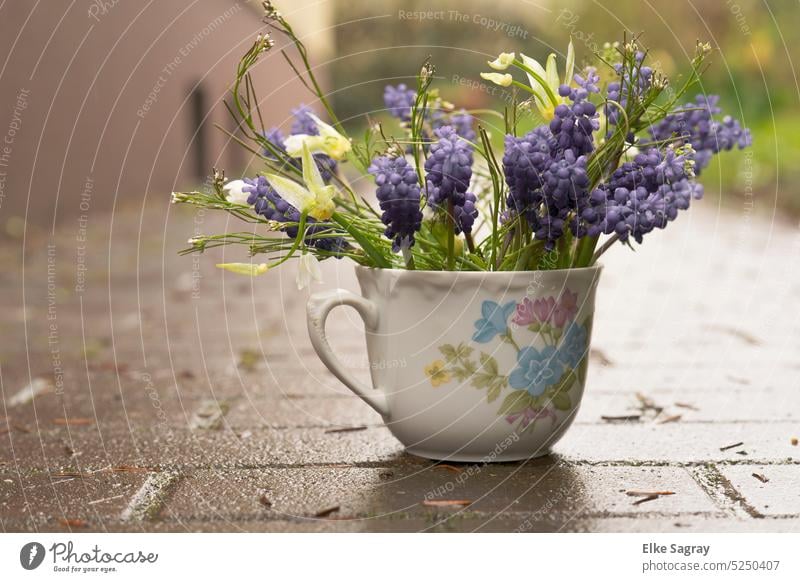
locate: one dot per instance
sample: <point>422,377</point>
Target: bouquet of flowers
<point>615,153</point>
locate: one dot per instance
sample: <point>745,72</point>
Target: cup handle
<point>317,310</point>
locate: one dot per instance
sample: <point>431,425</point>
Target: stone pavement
<point>167,396</point>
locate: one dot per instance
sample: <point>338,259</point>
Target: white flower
<point>502,79</point>
<point>502,62</point>
<point>234,192</point>
<point>546,94</point>
<point>308,270</point>
<point>315,199</point>
<point>251,269</point>
<point>329,141</point>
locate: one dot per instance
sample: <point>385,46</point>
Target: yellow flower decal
<point>437,372</point>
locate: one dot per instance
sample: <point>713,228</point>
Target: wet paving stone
<point>206,409</point>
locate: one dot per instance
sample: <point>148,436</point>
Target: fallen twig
<point>729,447</point>
<point>327,512</point>
<point>622,418</point>
<point>635,493</point>
<point>760,477</point>
<point>345,429</point>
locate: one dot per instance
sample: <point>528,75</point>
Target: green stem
<point>550,95</point>
<point>354,231</point>
<point>451,236</point>
<point>510,339</point>
<point>301,233</point>
<point>583,252</point>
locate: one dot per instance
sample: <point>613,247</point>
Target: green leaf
<point>463,351</point>
<point>564,383</point>
<point>481,381</point>
<point>562,401</point>
<point>489,364</point>
<point>517,401</point>
<point>461,374</point>
<point>494,391</point>
<point>448,351</point>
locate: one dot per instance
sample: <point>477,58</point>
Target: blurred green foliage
<point>755,40</point>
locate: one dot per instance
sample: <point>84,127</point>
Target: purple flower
<point>399,196</point>
<point>303,124</point>
<point>462,123</point>
<point>327,165</point>
<point>640,196</point>
<point>633,82</point>
<point>694,123</point>
<point>268,203</point>
<point>573,125</point>
<point>524,160</point>
<point>448,169</point>
<point>399,100</point>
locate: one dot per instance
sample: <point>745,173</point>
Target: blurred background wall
<point>114,102</point>
<point>106,102</point>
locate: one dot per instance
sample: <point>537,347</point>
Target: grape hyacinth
<point>642,195</point>
<point>573,126</point>
<point>524,160</point>
<point>448,168</point>
<point>466,213</point>
<point>305,125</point>
<point>449,172</point>
<point>694,124</point>
<point>399,197</point>
<point>635,82</point>
<point>462,123</point>
<point>266,202</point>
<point>565,190</point>
<point>399,100</point>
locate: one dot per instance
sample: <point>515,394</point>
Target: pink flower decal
<point>567,308</point>
<point>530,415</point>
<point>524,313</point>
<point>544,308</point>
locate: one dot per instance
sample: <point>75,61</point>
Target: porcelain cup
<point>494,364</point>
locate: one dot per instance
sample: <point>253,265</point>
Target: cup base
<point>476,458</point>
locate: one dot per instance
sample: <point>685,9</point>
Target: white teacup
<point>494,363</point>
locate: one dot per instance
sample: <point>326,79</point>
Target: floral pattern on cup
<point>540,382</point>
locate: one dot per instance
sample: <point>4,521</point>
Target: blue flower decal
<point>536,370</point>
<point>573,346</point>
<point>493,321</point>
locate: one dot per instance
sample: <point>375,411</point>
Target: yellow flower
<point>251,269</point>
<point>315,199</point>
<point>549,74</point>
<point>502,62</point>
<point>329,141</point>
<point>437,372</point>
<point>502,79</point>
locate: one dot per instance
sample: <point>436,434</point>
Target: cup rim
<point>480,274</point>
